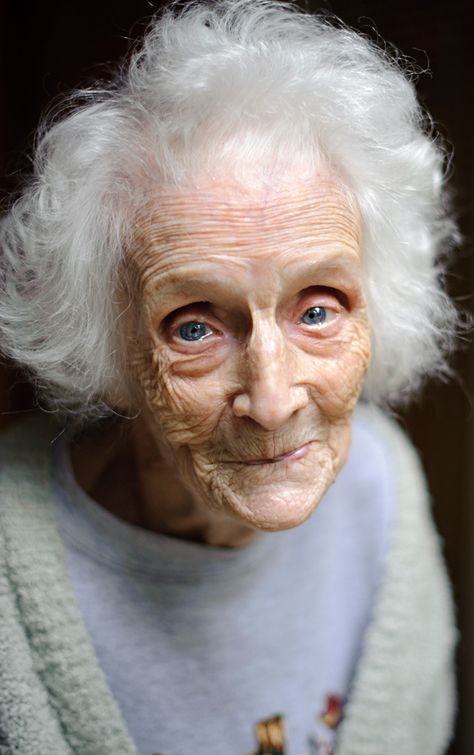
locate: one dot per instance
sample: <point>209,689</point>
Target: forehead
<point>217,222</point>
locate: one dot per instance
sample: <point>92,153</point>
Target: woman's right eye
<point>193,330</point>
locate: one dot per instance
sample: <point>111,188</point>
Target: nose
<point>271,393</point>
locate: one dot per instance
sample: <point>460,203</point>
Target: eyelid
<point>171,324</point>
<point>324,296</point>
<point>335,311</point>
<point>327,301</point>
<point>181,320</point>
<point>193,312</point>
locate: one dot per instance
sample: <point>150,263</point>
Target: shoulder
<point>26,441</point>
<point>414,546</point>
<point>25,469</point>
<point>396,465</point>
<point>406,666</point>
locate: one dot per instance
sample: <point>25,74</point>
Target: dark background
<point>49,47</point>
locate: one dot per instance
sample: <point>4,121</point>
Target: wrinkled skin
<point>246,426</point>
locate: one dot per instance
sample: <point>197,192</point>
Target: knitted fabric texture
<point>54,699</point>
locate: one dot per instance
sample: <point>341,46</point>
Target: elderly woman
<point>218,252</point>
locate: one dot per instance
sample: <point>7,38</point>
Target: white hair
<point>255,81</point>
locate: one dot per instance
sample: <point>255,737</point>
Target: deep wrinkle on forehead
<point>186,243</point>
<point>338,270</point>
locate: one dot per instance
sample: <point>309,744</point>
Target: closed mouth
<point>296,453</point>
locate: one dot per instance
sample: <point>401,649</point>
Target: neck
<point>125,473</point>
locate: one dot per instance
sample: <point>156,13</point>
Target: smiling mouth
<point>297,453</point>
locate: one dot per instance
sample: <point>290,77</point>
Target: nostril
<point>241,405</point>
<point>270,408</point>
<point>269,413</point>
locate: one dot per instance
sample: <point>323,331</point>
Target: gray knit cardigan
<point>54,699</point>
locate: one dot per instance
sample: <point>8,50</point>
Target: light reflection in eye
<point>315,316</point>
<point>194,331</point>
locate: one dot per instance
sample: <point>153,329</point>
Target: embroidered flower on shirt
<point>270,736</point>
<point>270,732</point>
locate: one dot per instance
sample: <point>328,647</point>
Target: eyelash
<point>330,314</point>
<point>332,302</point>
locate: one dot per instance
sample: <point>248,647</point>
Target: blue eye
<point>315,316</point>
<point>193,331</point>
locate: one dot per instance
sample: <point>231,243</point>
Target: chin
<point>278,506</point>
<point>273,496</point>
<point>281,496</point>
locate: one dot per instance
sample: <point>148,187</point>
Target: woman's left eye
<point>194,331</point>
<point>317,316</point>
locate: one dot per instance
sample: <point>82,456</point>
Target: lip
<point>296,453</point>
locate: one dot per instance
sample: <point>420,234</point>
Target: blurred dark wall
<point>47,48</point>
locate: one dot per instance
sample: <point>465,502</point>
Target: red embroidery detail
<point>332,713</point>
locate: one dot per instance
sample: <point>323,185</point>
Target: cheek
<point>186,411</point>
<point>340,378</point>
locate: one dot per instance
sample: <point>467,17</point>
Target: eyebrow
<point>339,262</point>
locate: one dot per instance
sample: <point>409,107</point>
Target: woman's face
<point>247,342</point>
